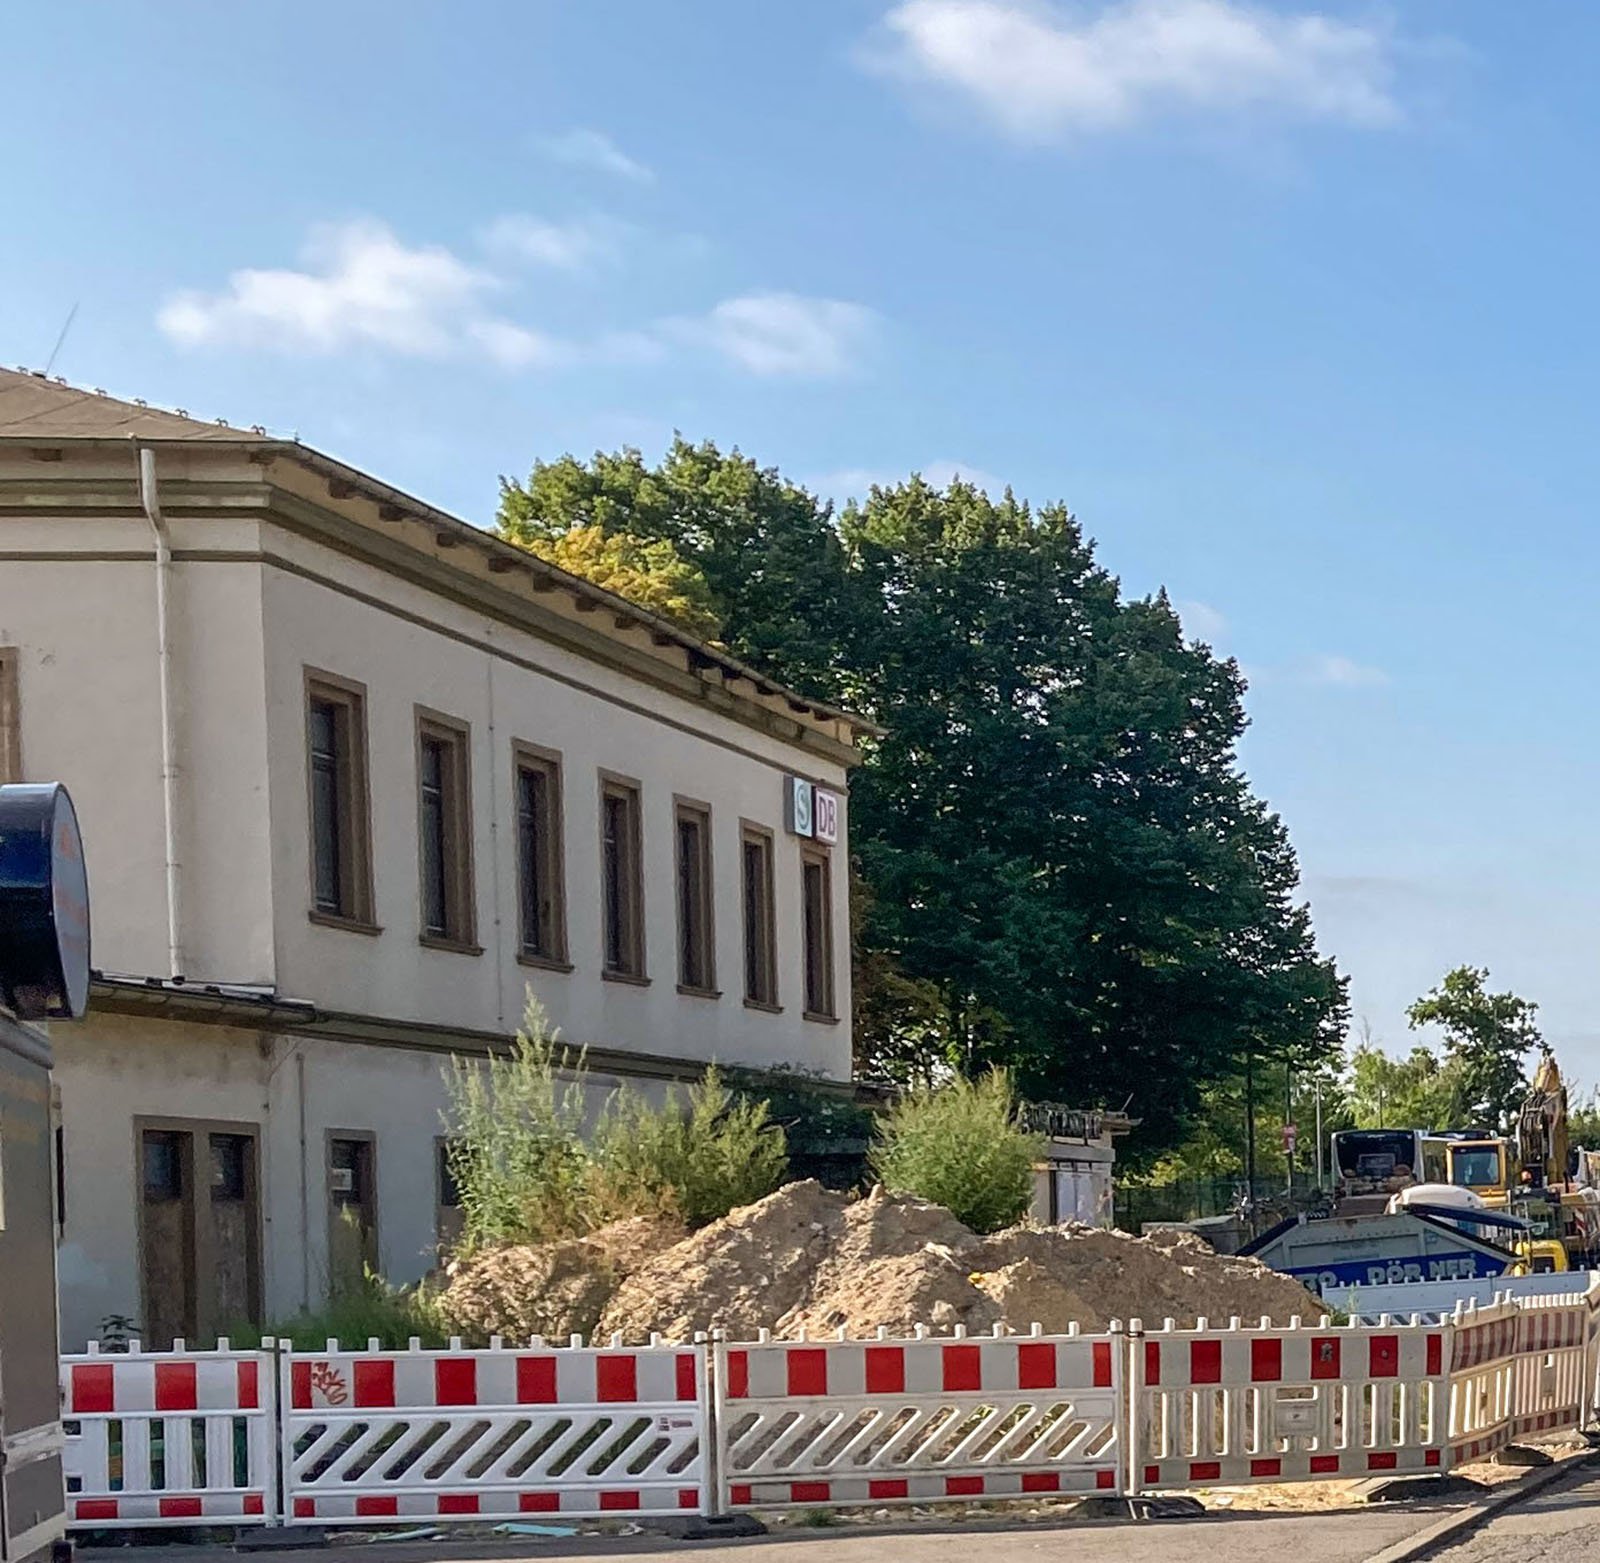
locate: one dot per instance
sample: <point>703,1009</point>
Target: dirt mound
<point>804,1259</point>
<point>808,1259</point>
<point>554,1289</point>
<point>740,1274</point>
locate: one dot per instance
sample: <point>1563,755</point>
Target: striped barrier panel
<point>170,1438</point>
<point>1551,1384</point>
<point>1233,1406</point>
<point>455,1434</point>
<point>1483,1371</point>
<point>917,1421</point>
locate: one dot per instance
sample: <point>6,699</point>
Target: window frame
<point>527,757</point>
<point>694,810</point>
<point>10,715</point>
<point>456,841</point>
<point>354,802</point>
<point>613,784</point>
<point>753,835</point>
<point>368,1140</point>
<point>821,859</point>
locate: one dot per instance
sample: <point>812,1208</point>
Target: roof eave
<point>355,479</point>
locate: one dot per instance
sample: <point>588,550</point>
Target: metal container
<point>32,1496</point>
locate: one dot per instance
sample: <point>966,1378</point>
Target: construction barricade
<point>1552,1381</point>
<point>1233,1406</point>
<point>1483,1368</point>
<point>917,1421</point>
<point>170,1438</point>
<point>442,1435</point>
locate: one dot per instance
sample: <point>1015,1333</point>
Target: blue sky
<point>1292,303</point>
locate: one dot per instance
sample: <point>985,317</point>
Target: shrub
<point>390,1315</point>
<point>515,1140</point>
<point>960,1146</point>
<point>698,1157</point>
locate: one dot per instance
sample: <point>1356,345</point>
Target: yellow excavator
<point>1530,1175</point>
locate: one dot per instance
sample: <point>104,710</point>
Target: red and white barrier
<point>456,1434</point>
<point>1552,1378</point>
<point>922,1420</point>
<point>1482,1380</point>
<point>170,1438</point>
<point>1233,1406</point>
<point>364,1437</point>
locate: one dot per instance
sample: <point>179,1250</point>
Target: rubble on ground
<point>808,1258</point>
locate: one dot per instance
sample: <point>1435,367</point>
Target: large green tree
<point>1066,872</point>
<point>1487,1036</point>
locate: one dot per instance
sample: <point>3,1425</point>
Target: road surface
<point>1561,1525</point>
<point>1337,1537</point>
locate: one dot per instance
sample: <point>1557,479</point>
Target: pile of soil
<point>808,1258</point>
<point>553,1289</point>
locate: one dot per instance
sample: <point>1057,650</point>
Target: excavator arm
<point>1542,1140</point>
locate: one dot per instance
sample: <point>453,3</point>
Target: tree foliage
<point>1419,1091</point>
<point>697,1158</point>
<point>648,572</point>
<point>1066,872</point>
<point>960,1146</point>
<point>1487,1037</point>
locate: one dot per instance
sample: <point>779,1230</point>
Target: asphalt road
<point>1339,1537</point>
<point>1561,1524</point>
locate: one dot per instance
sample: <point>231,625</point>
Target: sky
<point>1292,303</point>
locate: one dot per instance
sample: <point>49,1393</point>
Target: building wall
<point>79,606</point>
<point>243,634</point>
<point>112,1071</point>
<point>511,687</point>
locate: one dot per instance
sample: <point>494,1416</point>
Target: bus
<point>1372,1164</point>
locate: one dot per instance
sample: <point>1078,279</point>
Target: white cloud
<point>1343,672</point>
<point>516,347</point>
<point>783,334</point>
<point>568,246</point>
<point>1041,72</point>
<point>361,286</point>
<point>1201,621</point>
<point>594,149</point>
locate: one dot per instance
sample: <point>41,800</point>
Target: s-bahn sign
<point>44,905</point>
<point>810,811</point>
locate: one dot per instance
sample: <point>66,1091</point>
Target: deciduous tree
<point>1488,1035</point>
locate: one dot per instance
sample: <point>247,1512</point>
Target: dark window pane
<point>435,879</point>
<point>759,983</point>
<point>614,887</point>
<point>163,1165</point>
<point>819,999</point>
<point>326,824</point>
<point>230,1164</point>
<point>691,965</point>
<point>350,1170</point>
<point>535,849</point>
<point>449,1189</point>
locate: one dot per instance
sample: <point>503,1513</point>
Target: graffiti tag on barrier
<point>328,1382</point>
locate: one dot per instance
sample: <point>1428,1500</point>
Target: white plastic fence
<point>917,1421</point>
<point>170,1438</point>
<point>1223,1407</point>
<point>376,1435</point>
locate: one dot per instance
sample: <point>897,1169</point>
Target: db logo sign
<point>1290,1135</point>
